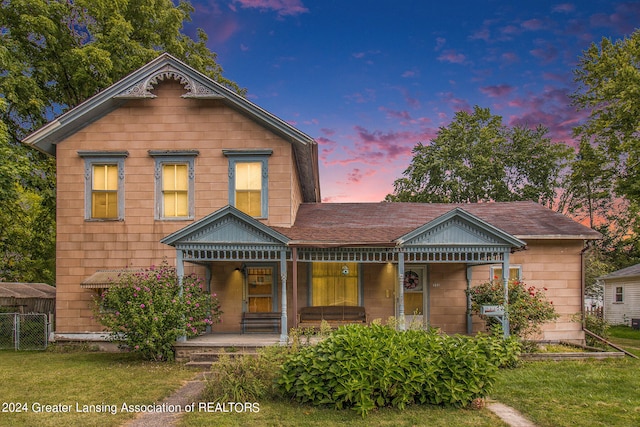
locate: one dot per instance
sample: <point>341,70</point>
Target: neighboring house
<point>168,164</point>
<point>27,298</point>
<point>622,296</point>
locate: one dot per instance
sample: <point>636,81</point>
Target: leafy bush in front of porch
<point>364,367</point>
<point>246,377</point>
<point>528,307</point>
<point>147,311</point>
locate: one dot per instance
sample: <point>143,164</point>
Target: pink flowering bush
<point>529,307</point>
<point>147,311</point>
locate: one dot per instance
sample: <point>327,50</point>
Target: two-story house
<point>166,164</point>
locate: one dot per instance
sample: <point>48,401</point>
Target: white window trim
<point>242,156</point>
<point>184,157</point>
<point>92,158</point>
<point>615,294</point>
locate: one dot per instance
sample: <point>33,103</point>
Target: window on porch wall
<point>329,286</point>
<point>515,273</point>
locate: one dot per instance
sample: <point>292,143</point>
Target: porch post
<point>207,279</point>
<point>469,318</point>
<point>401,323</point>
<point>283,278</point>
<point>294,283</point>
<point>180,273</point>
<point>505,281</point>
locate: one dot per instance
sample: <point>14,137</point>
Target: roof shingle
<point>383,223</point>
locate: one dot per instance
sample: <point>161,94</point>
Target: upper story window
<point>249,180</point>
<point>104,184</point>
<point>174,178</point>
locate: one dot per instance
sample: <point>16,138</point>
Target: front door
<point>260,289</point>
<point>415,279</point>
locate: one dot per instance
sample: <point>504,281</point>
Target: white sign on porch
<point>492,310</point>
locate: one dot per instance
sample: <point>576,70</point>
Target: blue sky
<point>369,79</point>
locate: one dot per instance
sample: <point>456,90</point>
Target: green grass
<point>49,378</point>
<point>571,393</point>
<point>287,414</point>
<point>625,337</point>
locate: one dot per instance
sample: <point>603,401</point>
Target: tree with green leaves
<point>54,54</point>
<point>608,75</point>
<point>477,158</point>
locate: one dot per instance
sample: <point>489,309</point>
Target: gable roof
<point>458,227</point>
<point>633,271</point>
<point>226,226</point>
<point>140,83</point>
<point>384,223</point>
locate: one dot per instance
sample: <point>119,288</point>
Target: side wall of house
<point>621,313</point>
<point>167,122</point>
<point>557,266</point>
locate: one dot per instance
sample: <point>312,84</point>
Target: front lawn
<point>570,393</point>
<point>33,380</point>
<point>287,414</point>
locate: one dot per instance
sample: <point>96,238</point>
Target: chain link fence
<point>24,331</point>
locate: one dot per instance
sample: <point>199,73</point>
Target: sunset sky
<point>369,79</point>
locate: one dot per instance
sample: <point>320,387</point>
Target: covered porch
<point>229,241</point>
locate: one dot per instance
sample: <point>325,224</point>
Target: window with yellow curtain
<point>104,191</point>
<point>248,187</point>
<point>175,190</point>
<point>515,273</point>
<point>333,284</point>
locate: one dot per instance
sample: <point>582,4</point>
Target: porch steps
<point>203,357</point>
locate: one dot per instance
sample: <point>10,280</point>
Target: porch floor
<point>228,340</point>
<point>205,348</point>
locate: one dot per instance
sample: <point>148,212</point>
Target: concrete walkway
<point>185,395</point>
<point>509,415</point>
<point>190,392</point>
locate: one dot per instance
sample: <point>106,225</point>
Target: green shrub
<point>147,311</point>
<point>598,326</point>
<point>245,378</point>
<point>362,368</point>
<point>528,307</point>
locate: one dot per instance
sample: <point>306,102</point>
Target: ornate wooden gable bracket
<point>195,88</point>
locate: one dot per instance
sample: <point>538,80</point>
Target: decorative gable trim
<point>223,228</point>
<point>458,227</point>
<point>195,88</point>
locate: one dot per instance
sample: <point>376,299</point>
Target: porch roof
<point>383,224</point>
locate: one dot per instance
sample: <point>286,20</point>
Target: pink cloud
<point>624,20</point>
<point>497,91</point>
<point>368,95</point>
<point>510,30</point>
<point>454,103</point>
<point>552,109</point>
<point>452,56</point>
<point>564,8</point>
<point>282,7</point>
<point>482,34</point>
<point>547,51</point>
<point>532,25</point>
<point>404,115</point>
<point>509,57</point>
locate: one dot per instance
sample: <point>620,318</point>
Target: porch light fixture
<point>345,270</point>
